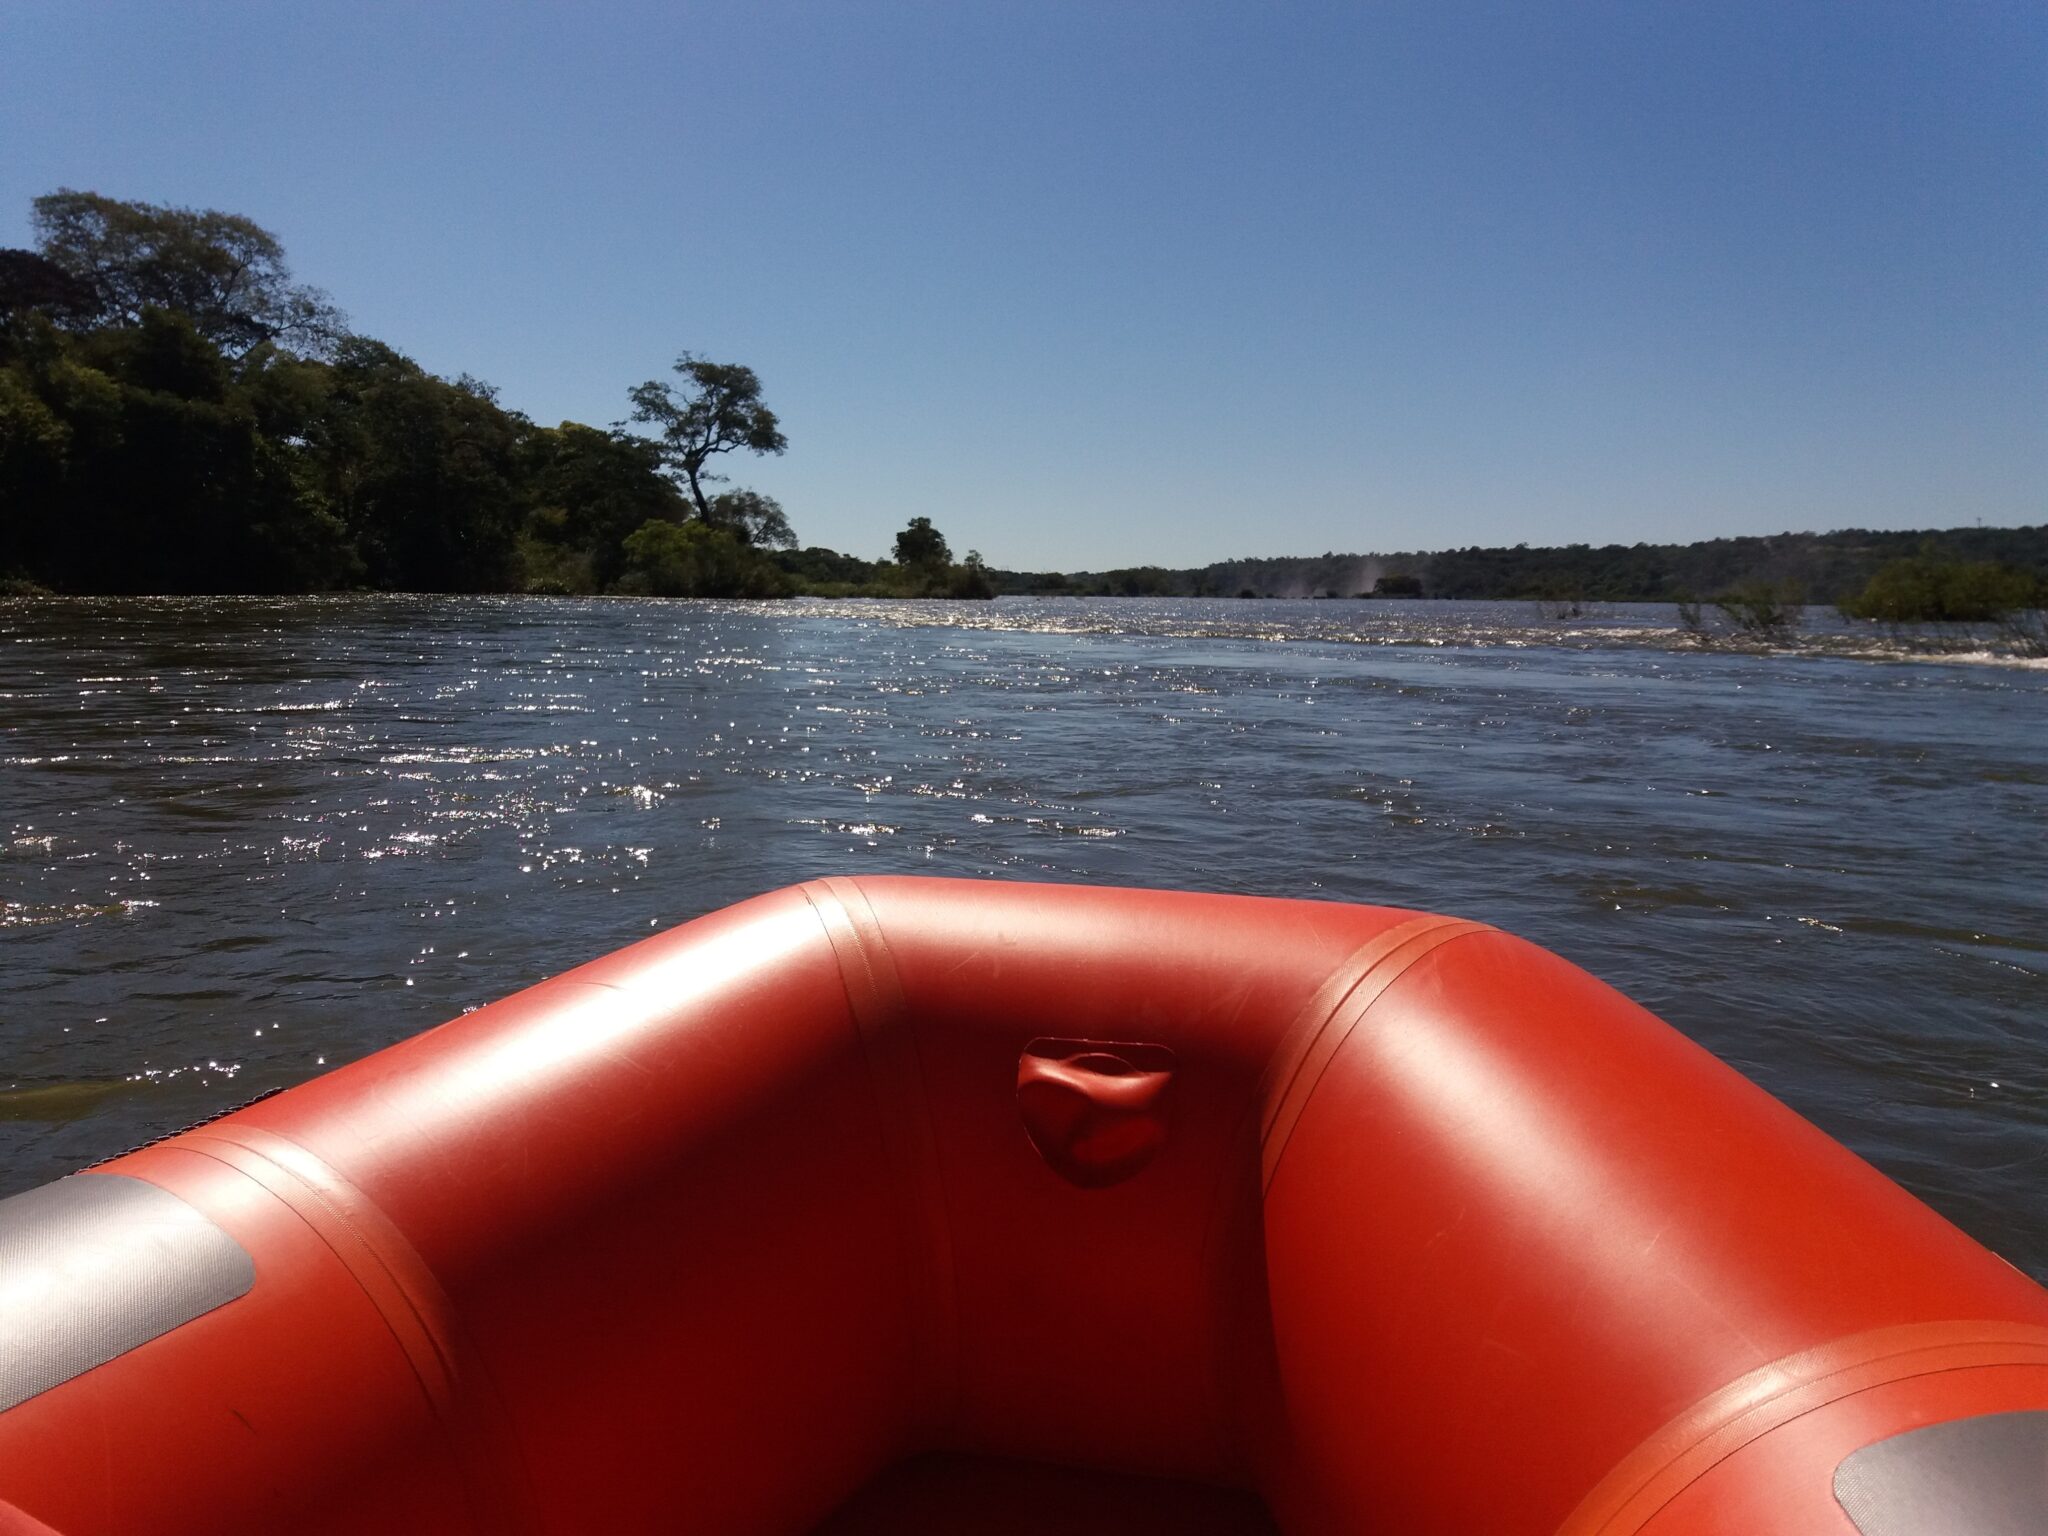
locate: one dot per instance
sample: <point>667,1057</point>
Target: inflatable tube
<point>912,1205</point>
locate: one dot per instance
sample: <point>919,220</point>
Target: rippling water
<point>243,840</point>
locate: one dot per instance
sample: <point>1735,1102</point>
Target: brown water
<point>243,840</point>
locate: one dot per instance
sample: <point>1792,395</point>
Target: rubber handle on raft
<point>1095,1110</point>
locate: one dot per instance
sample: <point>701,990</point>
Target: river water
<point>245,840</point>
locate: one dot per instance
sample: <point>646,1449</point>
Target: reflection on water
<point>241,840</point>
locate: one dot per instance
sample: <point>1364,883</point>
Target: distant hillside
<point>1827,566</point>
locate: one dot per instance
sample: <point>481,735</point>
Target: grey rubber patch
<point>1986,1476</point>
<point>93,1265</point>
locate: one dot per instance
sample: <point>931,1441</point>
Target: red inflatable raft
<point>917,1206</point>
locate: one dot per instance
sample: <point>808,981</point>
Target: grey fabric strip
<point>95,1264</point>
<point>1986,1476</point>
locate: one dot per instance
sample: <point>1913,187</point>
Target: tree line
<point>178,414</point>
<point>1981,564</point>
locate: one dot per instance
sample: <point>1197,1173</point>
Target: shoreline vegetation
<point>1937,588</point>
<point>178,416</point>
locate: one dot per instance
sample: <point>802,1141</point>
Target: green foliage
<point>131,461</point>
<point>1770,611</point>
<point>549,568</point>
<point>584,492</point>
<point>970,579</point>
<point>1926,589</point>
<point>224,273</point>
<point>826,572</point>
<point>1831,566</point>
<point>924,567</point>
<point>30,282</point>
<point>718,410</point>
<point>1397,586</point>
<point>34,443</point>
<point>421,472</point>
<point>694,559</point>
<point>1559,595</point>
<point>921,547</point>
<point>1131,581</point>
<point>176,415</point>
<point>752,518</point>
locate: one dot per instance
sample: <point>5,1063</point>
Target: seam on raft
<point>1276,1093</point>
<point>874,994</point>
<point>1699,1438</point>
<point>1318,1035</point>
<point>401,1288</point>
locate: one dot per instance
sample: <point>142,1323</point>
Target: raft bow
<point>909,1204</point>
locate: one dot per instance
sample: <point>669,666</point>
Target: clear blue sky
<point>1096,284</point>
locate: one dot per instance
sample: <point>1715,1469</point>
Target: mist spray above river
<point>245,840</point>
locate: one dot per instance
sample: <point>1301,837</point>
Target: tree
<point>35,442</point>
<point>753,519</point>
<point>1769,610</point>
<point>587,490</point>
<point>132,460</point>
<point>421,471</point>
<point>1927,589</point>
<point>696,560</point>
<point>718,410</point>
<point>922,545</point>
<point>970,578</point>
<point>29,281</point>
<point>225,273</point>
